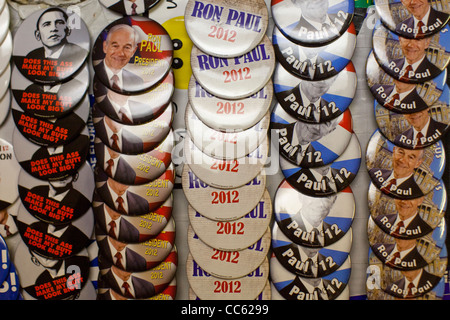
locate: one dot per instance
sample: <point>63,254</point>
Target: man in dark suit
<point>402,254</point>
<point>132,7</point>
<point>414,283</point>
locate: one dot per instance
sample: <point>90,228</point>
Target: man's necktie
<point>112,229</point>
<point>126,290</point>
<point>124,117</point>
<point>120,206</point>
<point>115,83</point>
<point>387,187</point>
<point>133,8</point>
<point>391,262</point>
<point>419,139</point>
<point>396,232</point>
<point>409,294</point>
<point>405,76</point>
<point>119,263</point>
<point>420,32</point>
<point>115,144</point>
<point>109,168</point>
<point>390,104</point>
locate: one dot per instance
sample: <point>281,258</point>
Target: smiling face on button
<point>119,47</point>
<point>418,8</point>
<point>405,161</point>
<point>414,49</point>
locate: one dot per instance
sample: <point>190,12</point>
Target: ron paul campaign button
<point>404,173</point>
<point>137,108</point>
<point>236,77</point>
<point>51,45</point>
<point>312,221</point>
<point>411,60</point>
<point>234,234</point>
<point>310,22</point>
<point>129,8</point>
<point>344,295</point>
<point>318,62</point>
<point>415,130</point>
<point>308,144</point>
<point>229,114</point>
<point>409,218</point>
<point>226,28</point>
<point>50,100</point>
<point>325,180</point>
<point>106,293</point>
<point>400,96</point>
<point>132,54</point>
<point>412,19</point>
<point>9,175</point>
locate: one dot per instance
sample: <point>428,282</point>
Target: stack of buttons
<point>320,155</point>
<point>223,178</point>
<point>405,157</point>
<point>134,176</point>
<point>55,184</point>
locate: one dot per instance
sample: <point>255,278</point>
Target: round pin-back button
<point>400,96</point>
<point>5,80</point>
<point>58,202</point>
<point>51,45</point>
<point>412,20</point>
<point>146,59</point>
<point>226,28</point>
<point>225,145</point>
<point>418,129</point>
<point>318,62</point>
<point>106,293</point>
<point>51,132</point>
<point>294,287</point>
<point>344,295</point>
<point>222,204</point>
<point>5,106</point>
<point>326,180</point>
<point>228,264</point>
<point>5,19</point>
<point>132,139</point>
<point>129,8</point>
<point>234,234</point>
<point>136,257</point>
<point>404,173</point>
<point>134,169</point>
<point>51,163</point>
<point>225,173</point>
<point>425,282</point>
<point>137,108</point>
<point>139,285</point>
<point>8,226</point>
<point>131,229</point>
<point>5,260</point>
<point>263,296</point>
<point>411,60</point>
<point>406,254</point>
<point>315,101</point>
<point>6,48</point>
<point>9,174</point>
<point>134,200</point>
<point>311,144</point>
<point>312,23</point>
<point>229,115</point>
<point>237,77</point>
<point>411,218</point>
<point>50,279</point>
<point>311,221</point>
<point>203,284</point>
<point>52,100</point>
<point>10,287</point>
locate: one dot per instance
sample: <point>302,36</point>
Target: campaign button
<point>411,60</point>
<point>106,293</point>
<point>326,180</point>
<point>51,45</point>
<point>131,229</point>
<point>222,204</point>
<point>134,169</point>
<point>308,144</point>
<point>9,174</point>
<point>233,235</point>
<point>9,289</point>
<point>312,22</point>
<point>312,221</point>
<point>8,226</point>
<point>294,287</point>
<point>50,100</point>
<point>5,260</point>
<point>318,62</point>
<point>5,80</point>
<point>400,96</point>
<point>146,54</point>
<point>404,173</point>
<point>5,20</point>
<point>265,294</point>
<point>137,108</point>
<point>344,295</point>
<point>51,163</point>
<point>209,287</point>
<point>415,130</point>
<point>129,8</point>
<point>134,200</point>
<point>5,106</point>
<point>406,254</point>
<point>409,218</point>
<point>225,145</point>
<point>6,48</point>
<point>225,174</point>
<point>58,202</point>
<point>427,283</point>
<point>412,20</point>
<point>226,28</point>
<point>236,77</point>
<point>51,279</point>
<point>132,139</point>
<point>229,114</point>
